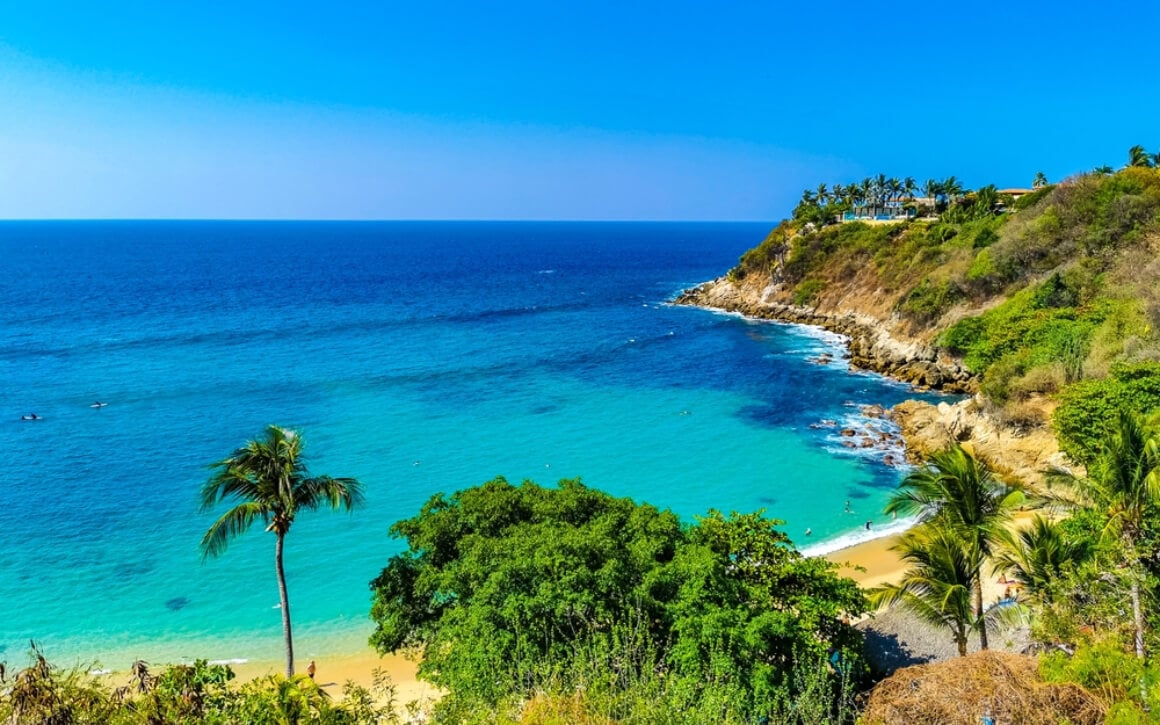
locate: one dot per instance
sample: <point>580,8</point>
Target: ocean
<point>418,357</point>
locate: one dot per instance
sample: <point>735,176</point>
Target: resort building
<point>889,210</point>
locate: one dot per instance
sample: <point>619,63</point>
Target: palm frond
<point>339,493</point>
<point>231,524</point>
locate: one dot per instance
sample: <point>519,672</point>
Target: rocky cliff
<point>1016,451</point>
<point>871,345</point>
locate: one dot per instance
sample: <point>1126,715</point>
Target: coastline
<point>1011,448</point>
<point>864,556</point>
<point>868,343</point>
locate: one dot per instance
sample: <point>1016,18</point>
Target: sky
<point>550,110</point>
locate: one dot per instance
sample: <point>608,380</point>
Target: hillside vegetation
<point>1035,294</point>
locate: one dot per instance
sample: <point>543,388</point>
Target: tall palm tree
<point>1124,482</point>
<point>1137,156</point>
<point>985,200</point>
<point>909,185</point>
<point>1040,181</point>
<point>952,189</point>
<point>268,480</point>
<point>959,492</point>
<point>937,585</point>
<point>1035,556</point>
<point>932,189</point>
<point>823,194</point>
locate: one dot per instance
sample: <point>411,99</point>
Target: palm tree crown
<point>937,586</point>
<point>1138,156</point>
<point>1036,556</point>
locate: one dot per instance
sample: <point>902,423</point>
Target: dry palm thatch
<point>961,691</point>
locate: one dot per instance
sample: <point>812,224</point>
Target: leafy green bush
<point>1027,325</point>
<point>928,300</point>
<point>502,585</point>
<point>807,291</point>
<point>1105,668</point>
<point>197,694</point>
<point>1088,410</point>
<point>1029,200</point>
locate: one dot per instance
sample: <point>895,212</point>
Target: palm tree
<point>1040,181</point>
<point>1137,156</point>
<point>268,480</point>
<point>1036,555</point>
<point>823,194</point>
<point>932,189</point>
<point>985,200</point>
<point>959,492</point>
<point>937,586</point>
<point>1104,170</point>
<point>1124,482</point>
<point>909,185</point>
<point>952,189</point>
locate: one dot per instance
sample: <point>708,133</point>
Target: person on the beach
<point>868,525</point>
<point>311,669</point>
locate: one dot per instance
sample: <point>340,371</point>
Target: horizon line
<point>384,220</point>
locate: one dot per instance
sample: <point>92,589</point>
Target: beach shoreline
<point>869,562</point>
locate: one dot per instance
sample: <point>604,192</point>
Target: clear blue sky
<point>548,110</point>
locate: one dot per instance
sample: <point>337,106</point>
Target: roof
<point>1016,192</point>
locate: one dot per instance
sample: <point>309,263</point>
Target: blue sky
<point>540,110</point>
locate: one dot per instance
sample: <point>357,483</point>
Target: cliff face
<point>871,344</point>
<point>1014,451</point>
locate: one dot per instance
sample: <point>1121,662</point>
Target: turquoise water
<point>417,357</point>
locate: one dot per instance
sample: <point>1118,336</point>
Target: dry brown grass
<point>962,690</point>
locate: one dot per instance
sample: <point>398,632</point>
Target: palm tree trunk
<point>961,641</point>
<point>979,610</point>
<point>285,606</point>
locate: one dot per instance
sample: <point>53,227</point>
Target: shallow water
<point>417,357</point>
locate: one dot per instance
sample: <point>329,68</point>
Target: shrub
<point>1088,410</point>
<point>1043,379</point>
<point>806,293</point>
<point>501,586</point>
<point>929,300</point>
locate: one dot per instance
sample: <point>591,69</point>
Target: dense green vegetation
<point>183,694</point>
<point>513,590</point>
<point>1034,294</point>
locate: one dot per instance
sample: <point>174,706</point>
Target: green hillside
<point>1048,293</point>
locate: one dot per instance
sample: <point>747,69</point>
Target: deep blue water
<point>417,357</point>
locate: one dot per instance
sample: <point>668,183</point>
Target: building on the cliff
<point>898,209</point>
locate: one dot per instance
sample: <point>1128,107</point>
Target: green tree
<point>951,189</point>
<point>960,493</point>
<point>909,186</point>
<point>1038,555</point>
<point>1040,180</point>
<point>942,573</point>
<point>268,480</point>
<point>1137,156</point>
<point>1104,170</point>
<point>501,586</point>
<point>1124,483</point>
